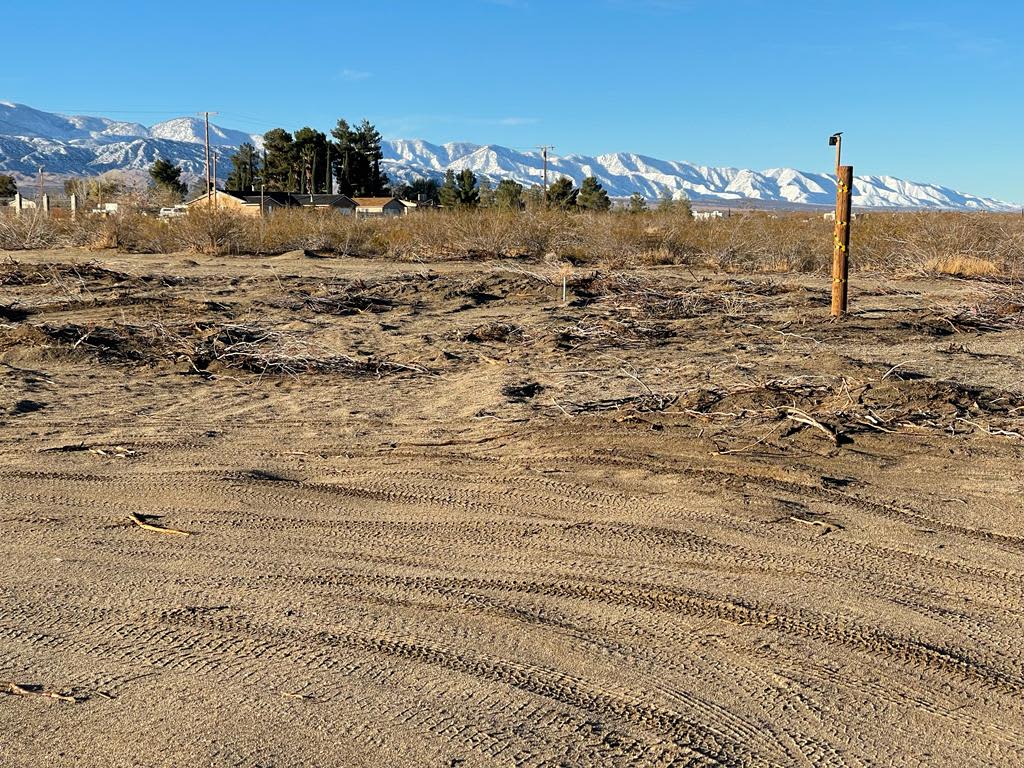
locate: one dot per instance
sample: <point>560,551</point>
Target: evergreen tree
<point>449,193</point>
<point>167,177</point>
<point>280,173</point>
<point>357,169</point>
<point>343,167</point>
<point>666,202</point>
<point>562,194</point>
<point>592,196</point>
<point>245,169</point>
<point>311,150</point>
<point>367,142</point>
<point>429,188</point>
<point>467,194</point>
<point>637,203</point>
<point>509,195</point>
<point>8,187</point>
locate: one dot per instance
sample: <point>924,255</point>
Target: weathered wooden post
<point>18,205</point>
<point>46,205</point>
<point>74,206</point>
<point>841,236</point>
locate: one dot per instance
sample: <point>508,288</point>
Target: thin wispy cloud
<point>354,75</point>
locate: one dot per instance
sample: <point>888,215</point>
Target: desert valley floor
<point>321,511</point>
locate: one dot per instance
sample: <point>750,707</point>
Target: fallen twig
<point>21,690</point>
<point>804,418</point>
<point>142,523</point>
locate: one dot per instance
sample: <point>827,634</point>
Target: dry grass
<point>969,245</point>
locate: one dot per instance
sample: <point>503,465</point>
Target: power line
<point>544,153</point>
<point>206,115</point>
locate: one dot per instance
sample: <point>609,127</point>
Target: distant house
<point>380,206</point>
<point>254,203</point>
<point>708,215</point>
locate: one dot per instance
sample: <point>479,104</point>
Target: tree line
<point>307,161</point>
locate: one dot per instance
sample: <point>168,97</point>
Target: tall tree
<point>245,168</point>
<point>311,151</point>
<point>468,195</point>
<point>562,194</point>
<point>280,173</point>
<point>344,171</point>
<point>8,187</point>
<point>592,196</point>
<point>357,169</point>
<point>368,143</point>
<point>449,190</point>
<point>509,195</point>
<point>167,178</point>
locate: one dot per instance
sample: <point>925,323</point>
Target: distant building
<point>380,206</point>
<point>707,215</point>
<point>253,203</point>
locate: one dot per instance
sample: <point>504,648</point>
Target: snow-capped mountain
<point>625,173</point>
<point>81,145</point>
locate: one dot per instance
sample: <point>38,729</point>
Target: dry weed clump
<point>959,244</point>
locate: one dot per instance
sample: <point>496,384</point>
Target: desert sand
<point>320,511</point>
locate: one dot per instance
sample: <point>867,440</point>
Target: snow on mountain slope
<point>80,145</point>
<point>191,129</point>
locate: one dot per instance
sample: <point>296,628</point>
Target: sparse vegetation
<point>955,244</point>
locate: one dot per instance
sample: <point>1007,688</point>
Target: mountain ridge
<point>89,145</point>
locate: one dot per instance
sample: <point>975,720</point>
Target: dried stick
<point>141,523</point>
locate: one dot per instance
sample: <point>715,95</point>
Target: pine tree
<point>592,196</point>
<point>245,168</point>
<point>359,156</point>
<point>368,142</point>
<point>167,178</point>
<point>8,187</point>
<point>637,203</point>
<point>280,171</point>
<point>562,194</point>
<point>509,195</point>
<point>666,202</point>
<point>449,191</point>
<point>468,196</point>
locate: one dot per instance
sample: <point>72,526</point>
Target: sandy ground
<point>438,518</point>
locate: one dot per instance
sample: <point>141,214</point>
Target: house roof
<point>373,202</point>
<point>291,199</point>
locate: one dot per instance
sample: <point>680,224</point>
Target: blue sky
<point>927,91</point>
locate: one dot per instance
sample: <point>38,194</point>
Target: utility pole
<point>206,116</point>
<point>328,189</point>
<point>841,233</point>
<point>544,153</point>
<point>40,204</point>
<point>214,175</point>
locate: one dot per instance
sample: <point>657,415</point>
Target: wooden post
<point>841,251</point>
